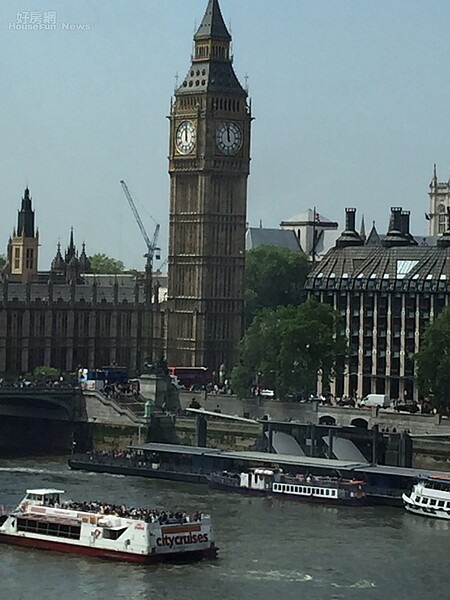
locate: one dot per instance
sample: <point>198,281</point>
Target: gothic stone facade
<point>209,158</point>
<point>439,193</point>
<point>75,325</point>
<point>66,318</point>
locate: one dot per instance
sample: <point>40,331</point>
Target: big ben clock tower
<point>209,160</point>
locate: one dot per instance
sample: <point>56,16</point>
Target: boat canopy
<point>45,491</point>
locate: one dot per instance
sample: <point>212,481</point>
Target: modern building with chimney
<point>387,289</point>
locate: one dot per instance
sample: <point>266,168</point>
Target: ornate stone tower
<point>23,245</point>
<point>439,203</point>
<point>209,159</point>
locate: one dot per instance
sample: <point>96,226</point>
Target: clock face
<point>185,137</point>
<point>229,137</point>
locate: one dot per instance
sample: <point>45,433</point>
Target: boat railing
<point>313,482</point>
<point>7,509</point>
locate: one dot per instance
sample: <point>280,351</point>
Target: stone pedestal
<point>159,389</point>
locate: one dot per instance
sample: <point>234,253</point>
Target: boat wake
<point>30,470</point>
<point>360,585</point>
<point>274,575</point>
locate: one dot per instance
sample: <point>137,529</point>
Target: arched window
<point>442,219</point>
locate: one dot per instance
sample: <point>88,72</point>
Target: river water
<point>268,549</point>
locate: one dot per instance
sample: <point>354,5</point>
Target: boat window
<point>34,497</point>
<point>113,534</point>
<point>424,500</point>
<point>327,492</point>
<point>441,503</point>
<point>432,502</point>
<point>49,528</point>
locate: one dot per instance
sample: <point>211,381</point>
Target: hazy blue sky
<point>351,99</point>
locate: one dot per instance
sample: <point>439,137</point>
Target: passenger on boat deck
<point>144,514</point>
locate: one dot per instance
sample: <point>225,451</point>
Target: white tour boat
<point>42,520</point>
<point>430,497</point>
<point>273,482</point>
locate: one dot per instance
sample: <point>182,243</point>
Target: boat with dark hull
<point>275,483</point>
<point>385,484</point>
<point>118,466</point>
<point>145,536</point>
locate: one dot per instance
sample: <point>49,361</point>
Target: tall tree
<point>101,264</point>
<point>2,261</point>
<point>433,361</point>
<point>285,348</point>
<point>273,277</point>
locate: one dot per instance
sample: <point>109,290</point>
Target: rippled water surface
<point>269,550</point>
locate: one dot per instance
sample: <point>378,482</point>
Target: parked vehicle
<point>346,401</point>
<point>379,400</point>
<point>192,378</point>
<point>410,407</point>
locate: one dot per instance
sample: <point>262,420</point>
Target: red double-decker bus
<point>192,378</point>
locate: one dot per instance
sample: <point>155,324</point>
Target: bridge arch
<point>359,422</point>
<point>327,420</point>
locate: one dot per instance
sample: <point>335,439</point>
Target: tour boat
<point>42,520</point>
<point>268,482</point>
<point>429,497</point>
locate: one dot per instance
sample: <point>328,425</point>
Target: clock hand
<point>228,133</point>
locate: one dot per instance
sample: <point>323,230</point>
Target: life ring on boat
<point>96,533</point>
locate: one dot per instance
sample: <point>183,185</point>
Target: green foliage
<point>2,261</point>
<point>101,264</point>
<point>46,373</point>
<point>433,361</point>
<point>284,348</point>
<point>273,277</point>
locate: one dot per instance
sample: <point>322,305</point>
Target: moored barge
<point>42,520</point>
<point>268,482</point>
<point>385,484</point>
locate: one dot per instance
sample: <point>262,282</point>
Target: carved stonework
<point>208,165</point>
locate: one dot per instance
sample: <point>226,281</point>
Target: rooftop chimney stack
<point>350,219</point>
<point>349,237</point>
<point>396,235</point>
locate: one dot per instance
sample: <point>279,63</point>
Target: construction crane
<point>153,251</point>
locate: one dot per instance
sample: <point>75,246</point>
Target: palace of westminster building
<point>386,287</point>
